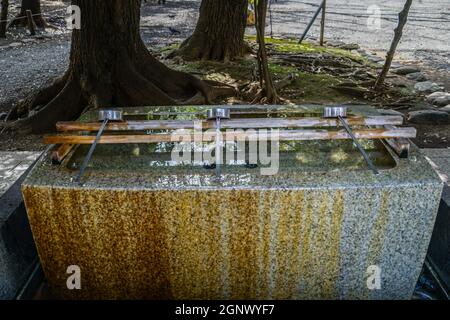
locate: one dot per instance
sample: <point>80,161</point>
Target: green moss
<point>171,47</point>
<point>307,87</point>
<point>280,71</point>
<point>316,88</point>
<point>292,46</point>
<point>240,69</point>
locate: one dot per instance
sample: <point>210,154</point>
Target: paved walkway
<point>13,165</point>
<point>440,160</point>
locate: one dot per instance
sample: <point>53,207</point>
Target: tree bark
<point>35,7</point>
<point>111,67</point>
<point>398,33</point>
<point>219,34</point>
<point>4,18</point>
<point>265,77</point>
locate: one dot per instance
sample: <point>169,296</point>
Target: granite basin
<point>141,227</point>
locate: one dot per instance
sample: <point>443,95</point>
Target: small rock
<point>417,76</point>
<point>430,98</point>
<point>446,109</point>
<point>396,65</point>
<point>440,99</point>
<point>390,112</point>
<point>363,52</point>
<point>405,70</point>
<point>350,46</point>
<point>375,59</point>
<point>429,117</point>
<point>332,43</point>
<point>14,44</point>
<point>401,83</point>
<point>427,87</point>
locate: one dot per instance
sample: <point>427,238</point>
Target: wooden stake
<point>31,25</point>
<point>322,23</point>
<point>4,18</point>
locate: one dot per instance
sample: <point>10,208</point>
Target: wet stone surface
<point>183,233</point>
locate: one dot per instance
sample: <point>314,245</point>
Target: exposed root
<point>66,105</point>
<point>135,88</point>
<point>279,85</point>
<point>21,21</point>
<point>197,48</point>
<point>40,99</point>
<point>215,91</point>
<point>143,82</point>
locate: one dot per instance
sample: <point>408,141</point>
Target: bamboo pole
<point>322,22</point>
<point>401,146</point>
<point>281,135</point>
<point>251,123</point>
<point>61,152</point>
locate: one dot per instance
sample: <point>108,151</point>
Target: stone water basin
<point>142,226</point>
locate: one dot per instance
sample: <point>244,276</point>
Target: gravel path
<point>425,41</point>
<point>29,63</point>
<point>426,36</point>
<point>32,62</point>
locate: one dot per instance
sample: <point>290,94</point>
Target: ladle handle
<point>358,145</point>
<point>91,152</point>
<point>218,146</point>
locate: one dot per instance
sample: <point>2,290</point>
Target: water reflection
<point>294,155</point>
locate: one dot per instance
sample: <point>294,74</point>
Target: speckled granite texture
<point>179,233</point>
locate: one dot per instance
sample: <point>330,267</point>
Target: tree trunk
<point>265,77</point>
<point>111,67</point>
<point>4,18</point>
<point>398,33</point>
<point>35,7</point>
<point>219,34</point>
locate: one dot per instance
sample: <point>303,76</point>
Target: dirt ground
<point>28,63</point>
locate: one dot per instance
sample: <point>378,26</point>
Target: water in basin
<point>294,155</point>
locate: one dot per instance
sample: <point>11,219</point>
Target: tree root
<point>40,99</point>
<point>21,21</point>
<point>152,83</point>
<point>279,85</point>
<point>66,105</point>
<point>201,49</point>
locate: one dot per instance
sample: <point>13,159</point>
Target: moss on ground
<point>241,69</point>
<point>315,88</point>
<point>307,87</point>
<point>170,48</point>
<point>292,46</point>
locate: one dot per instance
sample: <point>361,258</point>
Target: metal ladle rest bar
<point>341,113</point>
<point>104,116</point>
<point>218,114</point>
<point>72,134</point>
